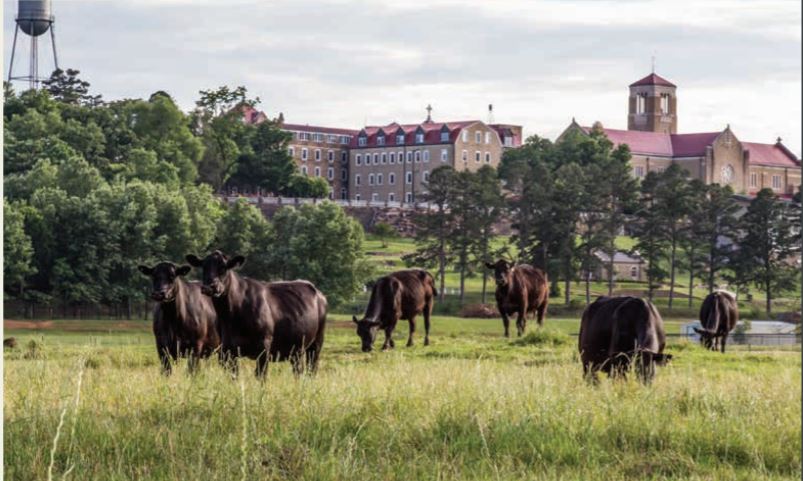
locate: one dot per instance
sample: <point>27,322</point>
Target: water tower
<point>34,18</point>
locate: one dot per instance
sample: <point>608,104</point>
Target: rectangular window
<point>384,158</point>
<point>304,154</point>
<point>392,157</point>
<point>465,135</point>
<point>638,171</point>
<point>641,103</point>
<point>317,155</point>
<point>303,136</point>
<point>444,136</point>
<point>477,156</point>
<point>391,179</point>
<point>370,179</point>
<point>399,139</point>
<point>478,137</point>
<point>356,196</point>
<point>330,173</point>
<point>487,137</point>
<point>345,139</point>
<point>291,151</point>
<point>362,141</point>
<point>465,156</point>
<point>419,138</point>
<point>487,157</point>
<point>374,197</point>
<point>665,103</point>
<point>508,141</point>
<point>417,156</point>
<point>409,157</point>
<point>753,179</point>
<point>317,137</point>
<point>344,174</point>
<point>358,159</point>
<point>444,155</point>
<point>391,197</point>
<point>376,159</point>
<point>330,155</point>
<point>408,197</point>
<point>380,140</point>
<point>425,176</point>
<point>317,171</point>
<point>379,179</point>
<point>332,139</point>
<point>344,157</point>
<point>304,170</point>
<point>426,156</point>
<point>357,180</point>
<point>776,181</point>
<point>408,178</point>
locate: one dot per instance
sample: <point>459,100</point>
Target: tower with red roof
<point>653,105</point>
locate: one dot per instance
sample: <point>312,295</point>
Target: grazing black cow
<point>263,320</point>
<point>10,342</point>
<point>718,316</point>
<point>400,295</point>
<point>184,320</point>
<point>520,289</point>
<point>615,331</point>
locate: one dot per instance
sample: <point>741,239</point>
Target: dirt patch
<point>12,324</point>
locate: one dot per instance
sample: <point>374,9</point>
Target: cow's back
<point>417,291</point>
<point>298,311</point>
<point>596,329</point>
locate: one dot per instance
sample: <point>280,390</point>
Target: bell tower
<point>653,105</point>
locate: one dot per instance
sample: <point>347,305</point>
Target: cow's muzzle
<point>158,296</point>
<point>211,291</point>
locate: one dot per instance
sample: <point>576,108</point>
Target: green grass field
<point>85,400</point>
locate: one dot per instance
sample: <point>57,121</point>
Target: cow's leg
<point>164,358</point>
<point>723,342</point>
<point>263,358</point>
<point>541,312</point>
<point>389,344</point>
<point>505,322</point>
<point>194,356</point>
<point>313,353</point>
<point>427,315</point>
<point>412,331</point>
<point>521,320</point>
<point>590,373</point>
<point>228,360</point>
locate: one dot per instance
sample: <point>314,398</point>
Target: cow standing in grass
<point>400,295</point>
<point>184,320</point>
<point>263,320</point>
<point>718,316</point>
<point>520,289</point>
<point>616,331</point>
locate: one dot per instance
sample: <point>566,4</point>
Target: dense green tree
<point>244,230</point>
<point>489,206</point>
<point>307,187</point>
<point>714,222</point>
<point>384,231</point>
<point>268,165</point>
<point>17,248</point>
<point>767,243</point>
<point>322,244</point>
<point>650,232</point>
<point>65,86</point>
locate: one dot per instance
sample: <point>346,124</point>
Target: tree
<point>767,244</point>
<point>322,244</point>
<point>433,227</point>
<point>464,227</point>
<point>244,230</point>
<point>594,234</point>
<point>384,231</point>
<point>489,206</point>
<point>713,222</point>
<point>68,88</point>
<point>307,187</point>
<point>269,166</point>
<point>17,248</point>
<point>673,205</point>
<point>650,233</point>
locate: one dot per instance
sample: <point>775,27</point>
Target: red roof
<point>432,133</point>
<point>653,79</point>
<point>694,145</point>
<point>319,129</point>
<point>770,154</point>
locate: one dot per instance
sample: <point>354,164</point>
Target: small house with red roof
<point>714,157</point>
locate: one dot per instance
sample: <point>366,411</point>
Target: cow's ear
<point>193,260</point>
<point>235,262</point>
<point>354,318</point>
<point>145,270</point>
<point>183,270</point>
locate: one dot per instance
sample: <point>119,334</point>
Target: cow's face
<point>503,271</point>
<point>164,276</point>
<point>367,330</point>
<point>216,267</point>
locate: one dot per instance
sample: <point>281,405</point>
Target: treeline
<point>94,188</point>
<point>569,201</point>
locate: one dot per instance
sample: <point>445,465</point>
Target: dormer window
<point>362,141</point>
<point>399,139</point>
<point>419,138</point>
<point>380,139</point>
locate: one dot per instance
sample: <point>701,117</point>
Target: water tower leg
<point>53,42</point>
<point>13,49</point>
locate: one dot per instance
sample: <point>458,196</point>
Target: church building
<point>715,157</point>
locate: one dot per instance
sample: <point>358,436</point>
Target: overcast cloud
<point>540,63</point>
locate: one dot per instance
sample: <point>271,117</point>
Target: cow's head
<point>216,267</point>
<point>367,330</point>
<point>164,275</point>
<point>503,271</point>
<point>706,337</point>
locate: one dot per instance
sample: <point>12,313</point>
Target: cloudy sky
<point>540,63</point>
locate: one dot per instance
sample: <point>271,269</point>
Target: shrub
<point>543,337</point>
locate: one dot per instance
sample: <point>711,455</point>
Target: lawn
<point>86,398</point>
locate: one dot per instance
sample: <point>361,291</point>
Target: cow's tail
<point>432,283</point>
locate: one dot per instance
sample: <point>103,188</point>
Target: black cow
<point>400,295</point>
<point>616,331</point>
<point>263,320</point>
<point>718,316</point>
<point>184,320</point>
<point>521,289</point>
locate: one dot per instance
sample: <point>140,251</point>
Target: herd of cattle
<point>238,316</point>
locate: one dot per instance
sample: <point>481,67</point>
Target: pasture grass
<point>472,406</point>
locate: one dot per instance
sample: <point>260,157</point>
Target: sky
<point>540,63</point>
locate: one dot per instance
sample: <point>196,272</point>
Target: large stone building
<point>392,162</point>
<point>714,157</point>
